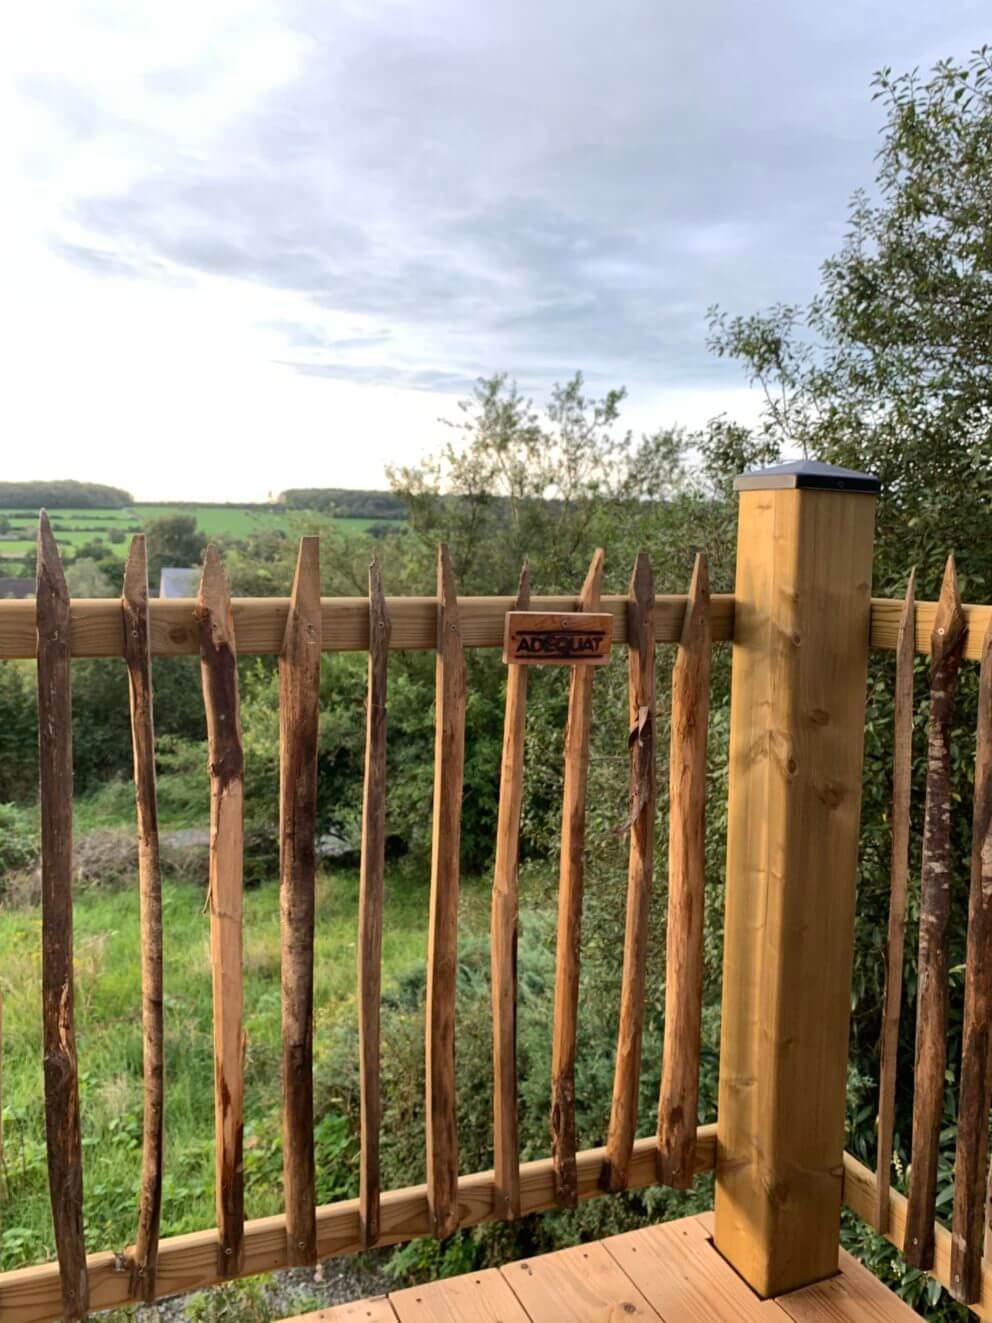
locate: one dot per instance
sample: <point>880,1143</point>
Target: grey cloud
<point>309,337</point>
<point>531,187</point>
<point>106,262</point>
<point>385,374</point>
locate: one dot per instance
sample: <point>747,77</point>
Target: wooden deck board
<point>852,1295</point>
<point>375,1310</point>
<point>669,1272</point>
<point>484,1296</point>
<point>679,1271</point>
<point>583,1282</point>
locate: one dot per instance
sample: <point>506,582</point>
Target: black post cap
<point>809,475</point>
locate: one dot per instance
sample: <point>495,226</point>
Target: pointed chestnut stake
<point>138,657</point>
<point>65,1160</point>
<point>640,823</point>
<point>219,670</point>
<point>678,1106</point>
<point>902,768</point>
<point>442,947</point>
<point>947,646</point>
<point>505,916</point>
<point>570,885</point>
<point>299,710</point>
<point>370,895</point>
<point>976,1056</point>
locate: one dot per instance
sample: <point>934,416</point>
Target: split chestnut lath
<point>802,623</point>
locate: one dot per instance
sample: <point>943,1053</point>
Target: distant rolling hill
<point>75,525</point>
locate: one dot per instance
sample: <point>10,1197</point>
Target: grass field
<point>108,1029</point>
<point>75,527</point>
<point>109,1044</point>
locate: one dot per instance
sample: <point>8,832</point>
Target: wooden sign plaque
<point>551,638</point>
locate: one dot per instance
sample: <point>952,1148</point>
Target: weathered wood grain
<point>138,656</point>
<point>442,948</point>
<point>570,886</point>
<point>975,1096</point>
<point>95,626</point>
<point>504,931</point>
<point>61,1069</point>
<point>370,896</point>
<point>946,648</point>
<point>218,665</point>
<point>640,824</point>
<point>189,1262</point>
<point>902,767</point>
<point>678,1105</point>
<point>299,714</point>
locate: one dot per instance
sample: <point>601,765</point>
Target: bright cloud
<point>250,244</point>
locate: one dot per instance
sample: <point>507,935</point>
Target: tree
<point>85,577</point>
<point>173,540</point>
<point>889,367</point>
<point>513,483</point>
<point>65,494</point>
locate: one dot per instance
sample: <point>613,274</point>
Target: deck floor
<point>669,1272</point>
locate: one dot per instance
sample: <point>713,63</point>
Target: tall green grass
<point>109,1043</point>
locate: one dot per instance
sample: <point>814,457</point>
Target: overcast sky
<point>252,244</point>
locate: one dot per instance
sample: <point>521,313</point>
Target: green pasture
<point>75,527</point>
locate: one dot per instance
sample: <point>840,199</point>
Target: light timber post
<point>800,653</point>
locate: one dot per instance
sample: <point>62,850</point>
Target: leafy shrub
<point>18,732</point>
<point>18,838</point>
<point>402,1083</point>
<point>107,857</point>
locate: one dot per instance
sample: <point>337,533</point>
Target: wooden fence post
<point>801,631</point>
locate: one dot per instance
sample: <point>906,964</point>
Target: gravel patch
<point>278,1295</point>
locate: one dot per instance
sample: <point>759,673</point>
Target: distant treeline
<point>208,505</point>
<point>95,496</point>
<point>64,494</point>
<point>344,503</point>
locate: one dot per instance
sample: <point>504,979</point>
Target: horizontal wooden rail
<point>260,623</point>
<point>886,613</point>
<point>860,1197</point>
<point>189,1262</point>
